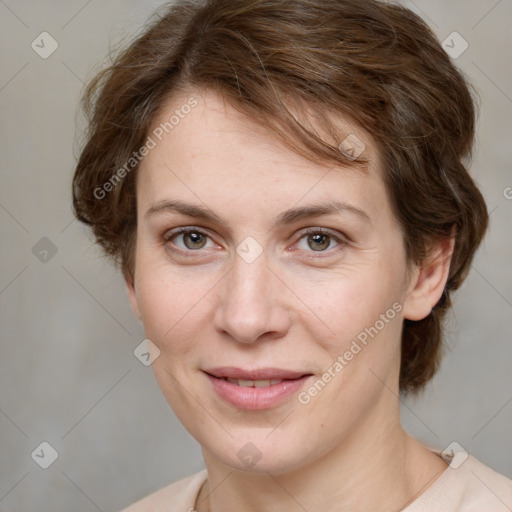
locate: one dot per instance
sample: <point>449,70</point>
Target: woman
<point>283,185</point>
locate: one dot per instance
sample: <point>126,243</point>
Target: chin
<point>278,454</point>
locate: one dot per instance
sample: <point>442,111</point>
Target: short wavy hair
<point>283,63</point>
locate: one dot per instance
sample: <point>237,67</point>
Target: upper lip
<point>232,372</point>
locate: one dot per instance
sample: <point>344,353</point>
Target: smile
<point>255,389</point>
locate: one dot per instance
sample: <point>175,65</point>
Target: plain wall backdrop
<point>68,374</point>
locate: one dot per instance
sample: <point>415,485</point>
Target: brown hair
<point>376,64</point>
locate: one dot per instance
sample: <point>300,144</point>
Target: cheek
<point>175,307</point>
<point>363,314</point>
<point>163,308</point>
<point>350,303</point>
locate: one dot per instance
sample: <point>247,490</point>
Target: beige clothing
<point>467,486</point>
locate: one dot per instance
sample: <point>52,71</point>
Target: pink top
<point>466,485</point>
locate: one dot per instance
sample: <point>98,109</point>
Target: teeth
<point>246,383</point>
<point>254,383</point>
<point>261,383</point>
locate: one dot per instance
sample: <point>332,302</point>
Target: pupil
<point>317,240</point>
<point>195,237</point>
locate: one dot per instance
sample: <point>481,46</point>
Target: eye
<point>319,240</point>
<point>192,239</point>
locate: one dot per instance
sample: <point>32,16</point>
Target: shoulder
<point>179,496</point>
<point>467,485</point>
<point>484,488</point>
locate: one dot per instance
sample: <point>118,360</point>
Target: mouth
<point>255,389</point>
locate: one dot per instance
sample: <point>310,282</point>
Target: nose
<point>251,304</point>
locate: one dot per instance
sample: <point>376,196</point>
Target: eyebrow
<point>285,218</point>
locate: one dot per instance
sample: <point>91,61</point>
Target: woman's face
<point>302,312</point>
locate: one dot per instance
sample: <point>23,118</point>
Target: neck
<point>377,467</point>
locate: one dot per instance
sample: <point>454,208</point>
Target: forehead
<point>204,108</point>
<point>209,152</point>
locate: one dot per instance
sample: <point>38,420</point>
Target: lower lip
<point>256,398</point>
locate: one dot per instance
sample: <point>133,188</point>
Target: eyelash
<point>170,235</point>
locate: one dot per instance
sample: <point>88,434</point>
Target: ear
<point>428,280</point>
<point>132,297</point>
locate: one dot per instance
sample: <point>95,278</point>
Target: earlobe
<point>429,281</point>
<point>132,297</point>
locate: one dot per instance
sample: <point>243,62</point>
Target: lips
<point>255,389</point>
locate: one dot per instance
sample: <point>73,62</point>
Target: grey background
<point>68,375</point>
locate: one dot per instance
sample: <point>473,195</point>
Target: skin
<point>298,306</point>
